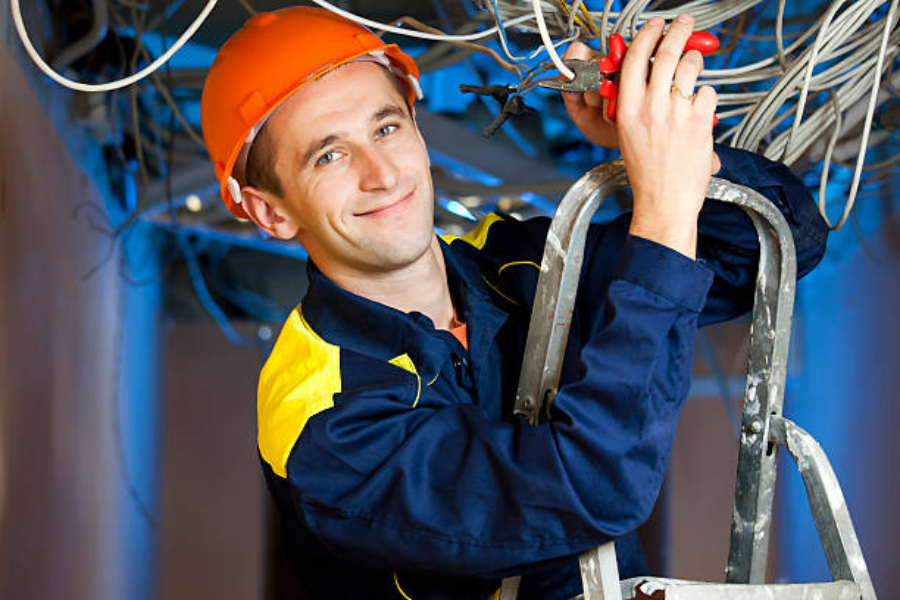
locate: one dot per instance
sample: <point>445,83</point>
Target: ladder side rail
<point>600,573</point>
<point>554,301</point>
<point>773,306</point>
<point>551,315</point>
<point>827,504</point>
<point>770,333</point>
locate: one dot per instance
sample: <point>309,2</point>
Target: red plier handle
<point>598,75</point>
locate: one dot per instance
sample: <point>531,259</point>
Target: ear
<point>263,210</point>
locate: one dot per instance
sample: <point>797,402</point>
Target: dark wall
<point>212,521</point>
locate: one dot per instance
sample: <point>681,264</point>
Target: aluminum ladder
<point>763,428</point>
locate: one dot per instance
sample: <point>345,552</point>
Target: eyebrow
<point>319,146</point>
<point>391,110</point>
<point>385,112</point>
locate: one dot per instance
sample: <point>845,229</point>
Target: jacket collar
<point>355,323</point>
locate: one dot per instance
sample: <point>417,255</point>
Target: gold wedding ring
<point>677,90</point>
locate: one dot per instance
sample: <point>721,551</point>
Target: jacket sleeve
<point>727,242</point>
<point>446,490</point>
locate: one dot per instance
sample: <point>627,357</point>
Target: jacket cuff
<point>747,169</point>
<point>665,272</point>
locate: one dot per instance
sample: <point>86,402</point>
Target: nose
<point>376,170</point>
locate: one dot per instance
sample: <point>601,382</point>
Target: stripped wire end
<point>511,103</point>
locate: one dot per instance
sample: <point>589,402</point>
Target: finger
<point>579,51</point>
<point>593,99</point>
<point>669,54</point>
<point>705,101</point>
<point>583,107</point>
<point>573,100</point>
<point>590,121</point>
<point>575,106</point>
<point>686,74</point>
<point>716,163</point>
<point>636,64</point>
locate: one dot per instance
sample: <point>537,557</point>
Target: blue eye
<point>386,130</point>
<point>327,158</point>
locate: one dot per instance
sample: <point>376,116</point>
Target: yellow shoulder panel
<point>298,381</point>
<point>404,362</point>
<point>478,236</point>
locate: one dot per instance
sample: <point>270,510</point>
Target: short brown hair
<point>260,170</point>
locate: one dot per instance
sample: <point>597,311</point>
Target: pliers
<point>601,74</point>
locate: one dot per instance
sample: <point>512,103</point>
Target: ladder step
<point>675,589</point>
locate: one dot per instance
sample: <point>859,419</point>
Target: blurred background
<point>135,313</point>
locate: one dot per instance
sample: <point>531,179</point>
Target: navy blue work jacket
<point>392,452</point>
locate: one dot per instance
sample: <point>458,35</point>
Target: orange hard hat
<point>267,60</point>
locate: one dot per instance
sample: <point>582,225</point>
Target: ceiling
<point>230,14</point>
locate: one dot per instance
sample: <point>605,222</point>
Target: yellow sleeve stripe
<point>400,589</point>
<point>499,293</point>
<point>478,236</point>
<point>519,262</point>
<point>298,381</point>
<point>405,362</point>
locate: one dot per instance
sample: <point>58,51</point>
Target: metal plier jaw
<point>588,78</point>
<point>592,75</point>
<point>596,75</point>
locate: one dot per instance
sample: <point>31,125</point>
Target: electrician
<point>385,419</point>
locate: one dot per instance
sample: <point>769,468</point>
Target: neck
<point>421,286</point>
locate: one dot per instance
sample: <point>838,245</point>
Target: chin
<point>395,255</point>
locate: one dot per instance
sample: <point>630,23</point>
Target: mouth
<point>390,208</point>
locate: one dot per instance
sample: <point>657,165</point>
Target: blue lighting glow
<point>456,208</point>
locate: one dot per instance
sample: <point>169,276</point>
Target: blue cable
<point>501,29</point>
<point>202,291</point>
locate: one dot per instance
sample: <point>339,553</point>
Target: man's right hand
<point>665,134</point>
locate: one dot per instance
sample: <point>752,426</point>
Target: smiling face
<point>354,173</point>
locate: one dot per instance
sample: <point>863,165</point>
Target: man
<point>385,410</point>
